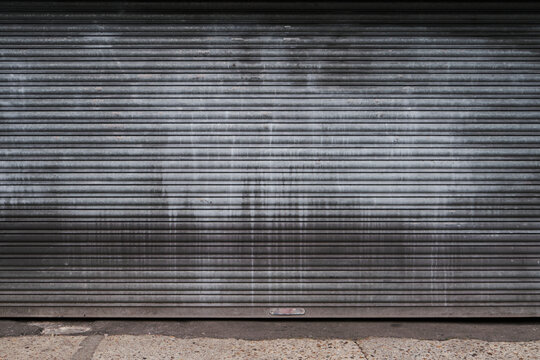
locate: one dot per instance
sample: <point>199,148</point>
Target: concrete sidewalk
<point>258,339</point>
<point>148,347</point>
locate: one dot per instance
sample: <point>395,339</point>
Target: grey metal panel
<point>222,159</point>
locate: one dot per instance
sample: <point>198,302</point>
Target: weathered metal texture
<point>229,159</point>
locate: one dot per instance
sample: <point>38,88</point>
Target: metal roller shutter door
<point>225,159</point>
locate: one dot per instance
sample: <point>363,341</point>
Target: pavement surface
<point>232,339</point>
<point>481,329</point>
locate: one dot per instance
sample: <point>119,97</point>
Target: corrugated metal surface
<point>377,159</point>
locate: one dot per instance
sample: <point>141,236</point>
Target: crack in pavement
<point>87,347</point>
<point>361,350</point>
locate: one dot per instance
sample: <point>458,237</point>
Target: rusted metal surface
<point>228,159</point>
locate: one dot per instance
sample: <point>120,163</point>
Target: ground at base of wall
<point>101,347</point>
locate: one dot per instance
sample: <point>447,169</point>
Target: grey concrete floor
<point>269,340</point>
<point>481,329</point>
